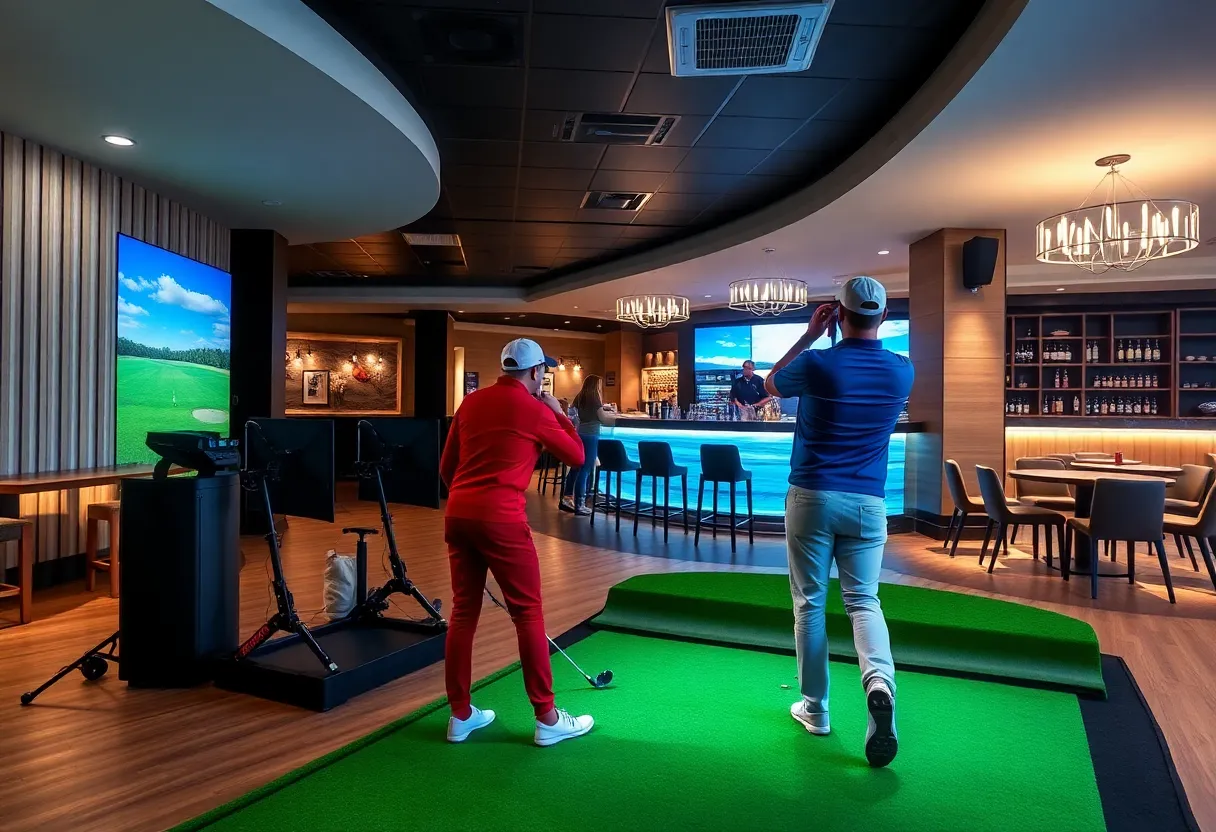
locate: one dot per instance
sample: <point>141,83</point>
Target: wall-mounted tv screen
<point>173,346</point>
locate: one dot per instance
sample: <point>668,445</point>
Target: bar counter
<point>764,448</point>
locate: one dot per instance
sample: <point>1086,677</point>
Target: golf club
<point>601,680</point>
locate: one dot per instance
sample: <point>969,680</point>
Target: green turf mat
<point>930,628</point>
<point>698,737</point>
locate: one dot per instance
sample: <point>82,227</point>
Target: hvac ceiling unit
<point>615,128</point>
<point>744,38</point>
<point>614,200</point>
<point>442,250</point>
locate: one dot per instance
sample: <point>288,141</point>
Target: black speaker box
<point>178,610</point>
<point>979,261</point>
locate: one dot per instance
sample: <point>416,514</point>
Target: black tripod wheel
<point>93,668</point>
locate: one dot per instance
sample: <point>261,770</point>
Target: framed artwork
<point>316,387</point>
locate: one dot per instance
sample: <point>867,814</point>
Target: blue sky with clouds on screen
<point>727,347</point>
<point>165,300</point>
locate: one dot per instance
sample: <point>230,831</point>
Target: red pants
<point>506,549</point>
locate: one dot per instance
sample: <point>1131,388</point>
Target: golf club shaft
<point>499,604</point>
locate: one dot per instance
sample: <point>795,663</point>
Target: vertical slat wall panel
<point>59,220</point>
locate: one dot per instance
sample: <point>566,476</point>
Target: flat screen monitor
<point>173,347</point>
<point>299,454</point>
<point>410,449</point>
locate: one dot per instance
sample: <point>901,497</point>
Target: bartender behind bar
<point>747,392</point>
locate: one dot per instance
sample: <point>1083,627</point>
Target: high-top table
<point>1083,481</point>
<point>12,486</point>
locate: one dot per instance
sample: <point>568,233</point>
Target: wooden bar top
<point>69,479</point>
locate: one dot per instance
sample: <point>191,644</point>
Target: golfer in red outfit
<point>488,462</point>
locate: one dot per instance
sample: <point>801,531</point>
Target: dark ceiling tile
<point>464,152</point>
<point>782,96</point>
<point>581,253</point>
<point>658,58</point>
<point>763,186</point>
<point>666,94</point>
<point>540,229</point>
<point>874,52</point>
<point>563,89</point>
<point>474,86</point>
<point>471,230</point>
<point>549,199</point>
<point>864,100</point>
<point>543,125</point>
<point>641,232</point>
<point>576,239</point>
<point>679,202</point>
<point>617,8</point>
<point>544,214</point>
<point>821,135</point>
<point>469,197</point>
<point>699,183</point>
<point>562,155</point>
<point>588,228</point>
<point>686,131</point>
<point>478,176</point>
<point>751,133</point>
<point>345,248</point>
<point>462,123</point>
<point>564,41</point>
<point>470,5</point>
<point>557,179</point>
<point>663,159</point>
<point>566,261</point>
<point>625,180</point>
<point>720,160</point>
<point>601,218</point>
<point>380,250</point>
<point>486,212</point>
<point>678,218</point>
<point>924,14</point>
<point>786,163</point>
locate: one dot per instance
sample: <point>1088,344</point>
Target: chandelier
<point>768,295</point>
<point>652,311</point>
<point>1121,234</point>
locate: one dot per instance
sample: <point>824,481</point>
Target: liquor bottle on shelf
<point>1139,350</point>
<point>1105,406</point>
<point>1057,382</point>
<point>1136,407</point>
<point>1076,405</point>
<point>1064,379</point>
<point>1156,351</point>
<point>1120,353</point>
<point>1155,380</point>
<point>1154,404</point>
<point>1046,406</point>
<point>1068,351</point>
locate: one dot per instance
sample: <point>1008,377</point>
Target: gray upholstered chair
<point>1189,488</point>
<point>1004,515</point>
<point>1130,510</point>
<point>1201,529</point>
<point>1043,494</point>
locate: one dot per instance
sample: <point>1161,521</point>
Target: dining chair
<point>1200,528</point>
<point>1092,456</point>
<point>1189,488</point>
<point>1005,515</point>
<point>1128,510</point>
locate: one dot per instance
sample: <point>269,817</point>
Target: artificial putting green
<point>694,736</point>
<point>146,391</point>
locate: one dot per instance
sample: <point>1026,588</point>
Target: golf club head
<point>603,680</point>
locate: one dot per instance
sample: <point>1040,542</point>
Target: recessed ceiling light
<point>507,318</point>
<point>118,141</point>
<point>1060,289</point>
<point>576,307</point>
<point>885,251</point>
<point>565,322</point>
<point>598,326</point>
<point>709,296</point>
<point>459,311</point>
<point>271,203</point>
<point>521,316</point>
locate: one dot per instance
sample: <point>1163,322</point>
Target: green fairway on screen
<point>173,347</point>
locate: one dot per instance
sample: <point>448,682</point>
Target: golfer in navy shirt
<point>849,399</point>
<point>748,390</point>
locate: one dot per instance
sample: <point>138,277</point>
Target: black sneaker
<point>881,741</point>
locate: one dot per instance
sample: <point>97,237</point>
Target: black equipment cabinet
<point>179,609</point>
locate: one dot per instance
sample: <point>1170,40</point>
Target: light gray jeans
<point>850,529</point>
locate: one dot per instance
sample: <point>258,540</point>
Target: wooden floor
<point>103,757</point>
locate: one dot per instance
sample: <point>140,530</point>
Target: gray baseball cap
<point>524,354</point>
<point>863,295</point>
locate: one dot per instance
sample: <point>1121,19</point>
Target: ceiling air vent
<point>744,38</point>
<point>614,201</point>
<point>616,128</point>
<point>337,273</point>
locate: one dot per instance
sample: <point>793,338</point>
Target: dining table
<point>12,486</point>
<point>1083,482</point>
<point>1142,469</point>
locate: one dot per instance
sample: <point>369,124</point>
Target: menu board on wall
<point>471,380</point>
<point>361,376</point>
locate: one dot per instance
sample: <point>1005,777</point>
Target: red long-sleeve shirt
<point>492,448</point>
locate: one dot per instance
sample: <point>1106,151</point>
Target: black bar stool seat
<point>658,464</point>
<point>721,464</point>
<point>612,459</point>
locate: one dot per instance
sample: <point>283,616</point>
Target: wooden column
<point>957,342</point>
<point>623,356</point>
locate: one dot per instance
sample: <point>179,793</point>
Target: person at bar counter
<point>592,414</point>
<point>491,452</point>
<point>747,392</point>
<point>849,399</point>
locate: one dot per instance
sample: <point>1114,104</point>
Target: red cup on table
<point>1118,457</point>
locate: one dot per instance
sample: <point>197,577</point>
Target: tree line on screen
<point>207,356</point>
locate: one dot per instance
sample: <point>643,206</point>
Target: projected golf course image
<point>173,347</point>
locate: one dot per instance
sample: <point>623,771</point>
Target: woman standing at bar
<point>592,415</point>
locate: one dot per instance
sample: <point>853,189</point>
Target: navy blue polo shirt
<point>748,390</point>
<point>849,399</point>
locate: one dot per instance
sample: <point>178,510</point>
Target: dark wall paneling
<point>59,220</point>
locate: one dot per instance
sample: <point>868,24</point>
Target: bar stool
<point>1131,510</point>
<point>552,473</point>
<point>658,464</point>
<point>12,528</point>
<point>612,460</point>
<point>101,513</point>
<point>721,464</point>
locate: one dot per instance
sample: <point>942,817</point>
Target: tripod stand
<point>93,665</point>
<point>285,618</point>
<point>377,602</point>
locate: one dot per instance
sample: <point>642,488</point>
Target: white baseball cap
<point>524,354</point>
<point>863,295</point>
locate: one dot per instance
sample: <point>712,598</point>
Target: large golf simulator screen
<point>173,346</point>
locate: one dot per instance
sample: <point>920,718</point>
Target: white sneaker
<point>567,504</point>
<point>881,740</point>
<point>815,723</point>
<point>566,728</point>
<point>459,729</point>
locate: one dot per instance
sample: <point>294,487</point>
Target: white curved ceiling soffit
<point>231,103</point>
